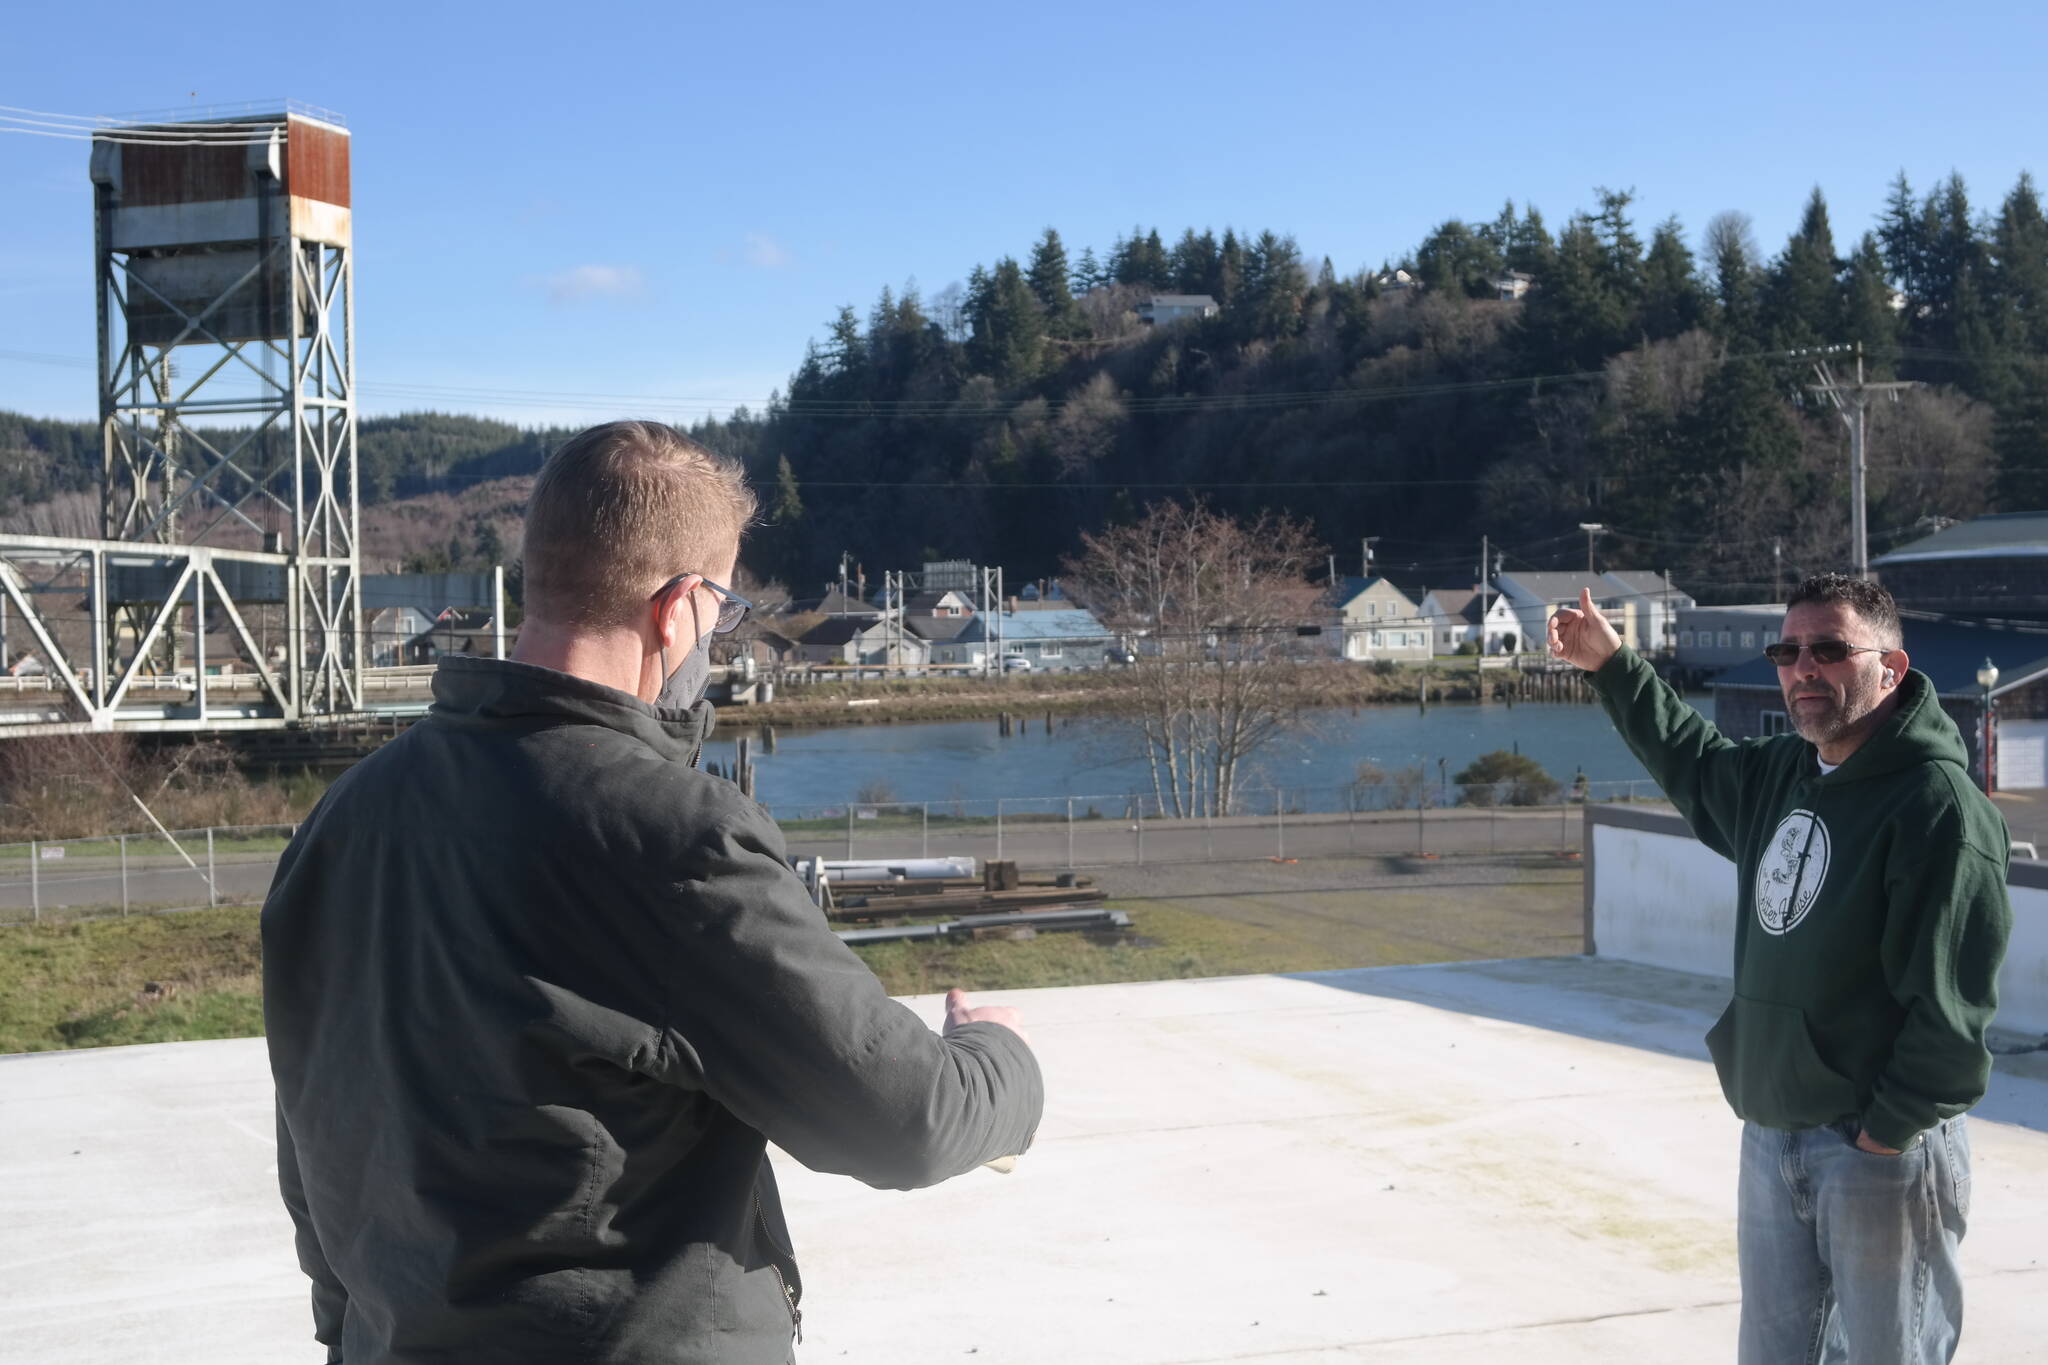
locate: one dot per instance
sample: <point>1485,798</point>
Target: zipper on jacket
<point>796,1314</point>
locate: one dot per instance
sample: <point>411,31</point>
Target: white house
<point>862,640</point>
<point>1376,620</point>
<point>1520,620</point>
<point>1643,606</point>
<point>1163,310</point>
<point>1512,284</point>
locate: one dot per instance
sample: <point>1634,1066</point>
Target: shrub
<point>1506,779</point>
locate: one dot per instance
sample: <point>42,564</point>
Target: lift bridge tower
<point>224,591</point>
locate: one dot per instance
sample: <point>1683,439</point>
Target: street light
<point>1987,678</point>
<point>1593,530</point>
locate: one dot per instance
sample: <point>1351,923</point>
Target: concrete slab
<point>1517,1160</point>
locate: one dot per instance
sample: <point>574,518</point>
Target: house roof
<point>938,628</point>
<point>1948,652</point>
<point>1643,583</point>
<point>2002,535</point>
<point>837,631</point>
<point>1182,301</point>
<point>921,603</point>
<point>1067,623</point>
<point>1559,587</point>
<point>833,603</point>
<point>1461,604</point>
<point>1350,588</point>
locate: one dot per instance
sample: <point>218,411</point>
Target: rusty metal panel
<point>184,175</point>
<point>316,162</point>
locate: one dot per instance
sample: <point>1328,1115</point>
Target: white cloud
<point>596,281</point>
<point>765,252</point>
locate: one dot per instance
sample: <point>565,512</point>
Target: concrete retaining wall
<point>1656,895</point>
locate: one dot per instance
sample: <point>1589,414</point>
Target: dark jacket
<point>538,992</point>
<point>1871,914</point>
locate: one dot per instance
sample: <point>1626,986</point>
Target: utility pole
<point>1365,544</point>
<point>1777,571</point>
<point>1484,546</point>
<point>1851,402</point>
<point>1594,530</point>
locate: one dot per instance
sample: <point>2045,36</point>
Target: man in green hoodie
<point>1871,919</point>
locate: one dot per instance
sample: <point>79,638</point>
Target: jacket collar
<point>471,691</point>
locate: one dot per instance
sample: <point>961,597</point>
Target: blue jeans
<point>1847,1256</point>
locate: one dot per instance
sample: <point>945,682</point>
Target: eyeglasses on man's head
<point>732,608</point>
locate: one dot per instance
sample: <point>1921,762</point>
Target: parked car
<point>1016,663</point>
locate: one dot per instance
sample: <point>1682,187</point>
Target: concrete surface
<point>1523,1160</point>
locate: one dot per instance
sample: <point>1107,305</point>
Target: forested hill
<point>1640,383</point>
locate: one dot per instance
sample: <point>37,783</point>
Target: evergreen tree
<point>2019,259</point>
<point>1192,266</point>
<point>1008,339</point>
<point>1866,307</point>
<point>1673,301</point>
<point>1048,280</point>
<point>1802,304</point>
<point>1229,270</point>
<point>1622,250</point>
<point>1454,259</point>
<point>1531,251</point>
<point>1731,254</point>
<point>1573,320</point>
<point>1088,273</point>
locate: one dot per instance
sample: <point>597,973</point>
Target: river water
<point>971,761</point>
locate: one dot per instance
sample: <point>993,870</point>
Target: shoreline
<point>1323,685</point>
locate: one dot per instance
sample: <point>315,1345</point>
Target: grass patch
<point>151,979</point>
<point>173,978</point>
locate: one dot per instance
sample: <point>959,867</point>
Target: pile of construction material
<point>969,901</point>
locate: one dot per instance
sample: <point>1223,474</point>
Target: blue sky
<point>651,208</point>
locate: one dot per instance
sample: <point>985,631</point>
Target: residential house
<point>1452,617</point>
<point>1749,700</point>
<point>1376,620</point>
<point>1512,284</point>
<point>861,641</point>
<point>1643,607</point>
<point>1396,279</point>
<point>1655,601</point>
<point>456,631</point>
<point>1055,640</point>
<point>944,603</point>
<point>943,637</point>
<point>1163,310</point>
<point>764,647</point>
<point>393,636</point>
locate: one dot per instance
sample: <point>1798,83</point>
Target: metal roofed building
<point>1748,701</point>
<point>1054,639</point>
<point>1995,566</point>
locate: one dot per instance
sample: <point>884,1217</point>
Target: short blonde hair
<point>621,509</point>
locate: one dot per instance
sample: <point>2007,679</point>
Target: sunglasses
<point>1823,651</point>
<point>732,608</point>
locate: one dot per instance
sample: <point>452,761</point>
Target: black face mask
<point>685,687</point>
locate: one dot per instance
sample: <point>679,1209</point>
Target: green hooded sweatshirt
<point>1871,916</point>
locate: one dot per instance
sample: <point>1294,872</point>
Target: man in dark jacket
<point>1872,918</point>
<point>539,991</point>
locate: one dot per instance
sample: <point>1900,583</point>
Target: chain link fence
<point>127,874</point>
<point>124,874</point>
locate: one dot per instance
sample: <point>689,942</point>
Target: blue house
<point>1054,640</point>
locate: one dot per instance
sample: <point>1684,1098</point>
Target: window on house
<point>1375,639</point>
<point>1770,637</point>
<point>1049,651</point>
<point>1685,639</point>
<point>1372,609</point>
<point>1774,723</point>
<point>1726,639</point>
<point>1749,639</point>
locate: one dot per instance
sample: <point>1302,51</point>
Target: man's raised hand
<point>1583,636</point>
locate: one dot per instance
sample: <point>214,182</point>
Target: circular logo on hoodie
<point>1788,878</point>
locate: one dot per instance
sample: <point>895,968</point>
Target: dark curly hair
<point>1867,599</point>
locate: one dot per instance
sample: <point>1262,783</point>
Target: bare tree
<point>1210,605</point>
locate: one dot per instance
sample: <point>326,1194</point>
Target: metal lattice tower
<point>227,401</point>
